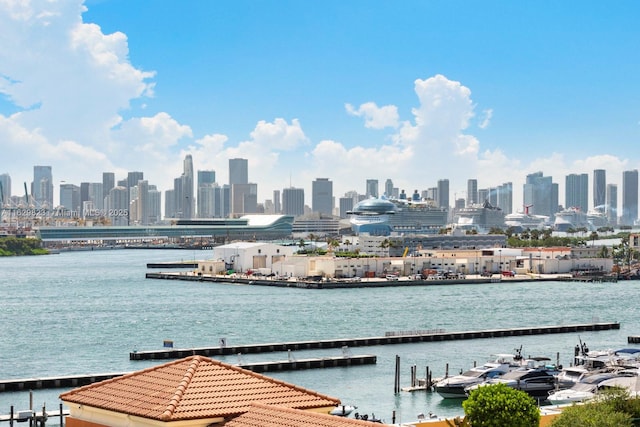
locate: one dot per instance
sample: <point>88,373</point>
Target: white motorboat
<point>454,387</point>
<point>536,382</point>
<point>588,387</point>
<point>343,410</point>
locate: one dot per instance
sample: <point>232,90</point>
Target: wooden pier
<point>174,353</point>
<point>282,365</point>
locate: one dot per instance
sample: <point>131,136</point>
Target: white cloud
<point>375,117</point>
<point>486,120</point>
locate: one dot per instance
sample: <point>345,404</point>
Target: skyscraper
<point>5,182</point>
<point>472,192</point>
<point>372,188</point>
<point>599,189</point>
<point>612,204</point>
<point>108,182</point>
<point>238,183</point>
<point>206,193</point>
<point>388,188</point>
<point>577,191</point>
<point>293,201</point>
<point>42,186</point>
<point>132,181</point>
<point>505,197</point>
<point>540,195</point>
<point>629,197</point>
<point>70,197</point>
<point>443,193</point>
<point>187,201</point>
<point>117,205</point>
<point>238,171</point>
<point>277,207</point>
<point>322,196</point>
<point>346,205</point>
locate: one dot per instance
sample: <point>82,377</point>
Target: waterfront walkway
<point>389,338</point>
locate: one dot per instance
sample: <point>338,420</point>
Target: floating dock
<point>174,353</point>
<point>283,365</point>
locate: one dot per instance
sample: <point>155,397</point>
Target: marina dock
<point>291,364</point>
<point>390,338</point>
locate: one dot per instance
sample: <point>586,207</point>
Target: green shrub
<point>499,405</point>
<point>592,415</point>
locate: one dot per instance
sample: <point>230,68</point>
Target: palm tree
<point>332,243</point>
<point>535,234</point>
<point>313,238</point>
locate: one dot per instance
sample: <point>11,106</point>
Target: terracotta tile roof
<point>260,415</point>
<point>193,388</point>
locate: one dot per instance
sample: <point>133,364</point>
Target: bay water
<point>84,312</point>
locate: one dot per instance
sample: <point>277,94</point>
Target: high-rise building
<point>240,189</point>
<point>277,207</point>
<point>206,177</point>
<point>443,193</point>
<point>170,203</point>
<point>133,178</point>
<point>5,183</point>
<point>372,188</point>
<point>611,204</point>
<point>142,202</point>
<point>154,206</point>
<point>505,197</point>
<point>472,192</point>
<point>42,186</point>
<point>108,182</point>
<point>84,199</point>
<point>238,171</point>
<point>222,202</point>
<point>493,196</point>
<point>346,205</point>
<point>244,199</point>
<point>629,197</point>
<point>388,188</point>
<point>599,189</point>
<point>187,202</point>
<point>577,191</point>
<point>293,201</point>
<point>132,181</point>
<point>70,198</point>
<point>322,196</point>
<point>540,195</point>
<point>206,199</point>
<point>117,206</point>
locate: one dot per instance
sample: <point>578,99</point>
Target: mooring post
<point>61,417</point>
<point>396,385</point>
<point>11,418</point>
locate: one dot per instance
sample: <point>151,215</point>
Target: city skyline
<point>419,91</point>
<point>540,194</point>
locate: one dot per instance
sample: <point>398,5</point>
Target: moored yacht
<point>454,387</point>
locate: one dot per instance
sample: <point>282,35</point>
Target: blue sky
<point>415,91</point>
